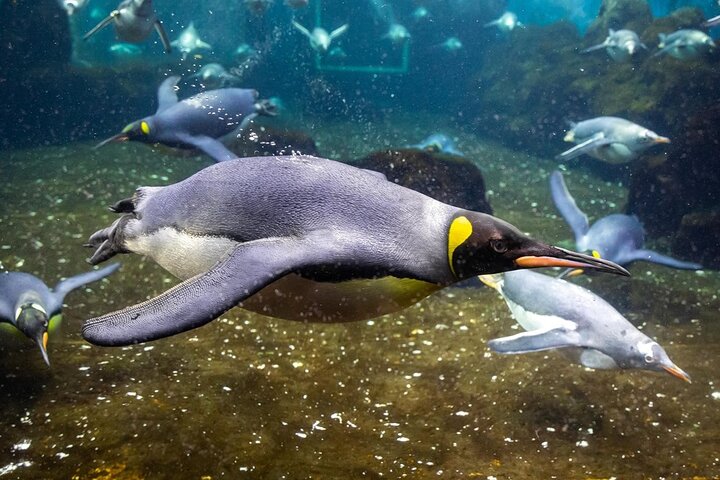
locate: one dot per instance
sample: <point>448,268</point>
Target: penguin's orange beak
<point>567,259</point>
<point>660,139</point>
<point>120,137</point>
<point>675,371</point>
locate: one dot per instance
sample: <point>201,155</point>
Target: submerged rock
<point>697,238</point>
<point>448,178</point>
<point>261,140</point>
<point>633,15</point>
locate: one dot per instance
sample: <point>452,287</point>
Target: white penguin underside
<point>290,297</point>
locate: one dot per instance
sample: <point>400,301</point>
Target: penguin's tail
<point>493,281</point>
<point>109,241</point>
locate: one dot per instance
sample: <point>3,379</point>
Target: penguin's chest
<point>291,297</point>
<point>615,153</point>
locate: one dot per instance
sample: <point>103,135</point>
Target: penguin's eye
<point>500,246</point>
<point>649,358</point>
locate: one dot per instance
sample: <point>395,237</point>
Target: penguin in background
<point>28,305</point>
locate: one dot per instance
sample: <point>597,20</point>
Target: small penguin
<point>29,305</point>
<point>189,41</point>
<point>397,34</point>
<point>213,76</point>
<point>133,21</point>
<point>125,51</point>
<point>301,238</point>
<point>620,45</point>
<point>560,315</point>
<point>685,44</point>
<point>610,139</point>
<point>72,6</point>
<point>420,13</point>
<point>438,143</point>
<point>198,121</point>
<point>320,39</point>
<point>617,237</point>
<point>245,52</point>
<point>507,22</point>
<point>451,45</point>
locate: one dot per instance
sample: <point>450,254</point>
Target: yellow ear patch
<point>145,127</point>
<point>596,254</point>
<point>460,230</point>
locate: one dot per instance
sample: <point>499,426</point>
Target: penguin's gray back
<point>214,113</point>
<point>613,235</point>
<point>254,198</point>
<point>20,287</point>
<point>545,295</point>
<point>599,324</point>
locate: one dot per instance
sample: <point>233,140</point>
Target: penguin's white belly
<point>614,153</point>
<point>532,321</point>
<point>179,253</point>
<point>291,297</point>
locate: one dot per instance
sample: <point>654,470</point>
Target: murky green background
<point>412,395</point>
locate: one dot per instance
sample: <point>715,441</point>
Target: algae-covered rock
<point>633,15</point>
<point>450,179</point>
<point>697,238</point>
<point>666,193</point>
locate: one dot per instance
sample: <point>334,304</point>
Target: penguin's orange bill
<point>45,340</point>
<point>120,137</point>
<point>662,140</point>
<point>676,372</point>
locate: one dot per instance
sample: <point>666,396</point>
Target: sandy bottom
<point>416,394</point>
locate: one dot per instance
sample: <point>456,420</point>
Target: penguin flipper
<point>302,29</point>
<point>339,31</point>
<point>66,286</point>
<point>565,203</point>
<point>536,340</point>
<point>599,46</point>
<point>655,257</point>
<point>213,148</point>
<point>166,94</point>
<point>585,147</point>
<point>250,267</point>
<point>103,23</point>
<point>163,36</point>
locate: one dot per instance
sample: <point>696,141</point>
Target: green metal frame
<point>397,70</point>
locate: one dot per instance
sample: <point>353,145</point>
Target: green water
<point>413,395</point>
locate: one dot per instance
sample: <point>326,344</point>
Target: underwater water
<point>413,394</point>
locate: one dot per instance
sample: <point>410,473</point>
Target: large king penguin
<point>301,238</point>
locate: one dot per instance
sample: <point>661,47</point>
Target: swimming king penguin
<point>196,122</point>
<point>301,238</point>
<point>618,237</point>
<point>133,21</point>
<point>29,305</point>
<point>559,314</point>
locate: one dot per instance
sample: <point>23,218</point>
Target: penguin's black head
<point>32,320</point>
<point>138,131</point>
<point>480,244</point>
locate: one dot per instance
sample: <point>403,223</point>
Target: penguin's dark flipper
<point>584,147</point>
<point>163,36</point>
<point>166,94</point>
<point>535,341</point>
<point>104,23</point>
<point>69,284</point>
<point>565,203</point>
<point>214,148</point>
<point>660,259</point>
<point>199,300</point>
